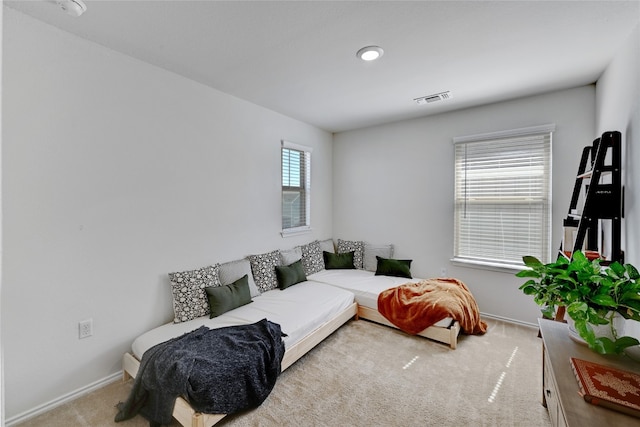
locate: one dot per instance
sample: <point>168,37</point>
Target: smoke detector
<point>74,8</point>
<point>442,96</point>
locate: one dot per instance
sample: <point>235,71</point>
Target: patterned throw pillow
<point>312,260</point>
<point>189,297</point>
<point>263,267</point>
<point>357,247</point>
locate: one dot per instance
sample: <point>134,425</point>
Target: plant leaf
<point>531,261</point>
<point>624,342</point>
<point>528,289</point>
<point>528,273</point>
<point>604,300</point>
<point>548,312</point>
<point>617,268</point>
<point>632,272</point>
<point>604,345</point>
<point>578,257</point>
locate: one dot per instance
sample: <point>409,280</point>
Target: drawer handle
<point>548,392</point>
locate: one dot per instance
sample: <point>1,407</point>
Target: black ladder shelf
<point>601,186</point>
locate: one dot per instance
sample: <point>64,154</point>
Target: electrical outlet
<point>85,328</point>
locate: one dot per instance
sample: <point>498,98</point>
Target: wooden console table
<point>560,387</point>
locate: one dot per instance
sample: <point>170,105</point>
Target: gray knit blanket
<point>218,371</point>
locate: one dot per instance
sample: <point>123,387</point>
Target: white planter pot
<point>632,329</point>
<point>599,330</point>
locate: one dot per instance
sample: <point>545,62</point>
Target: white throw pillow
<point>231,271</point>
<point>371,251</point>
<point>289,256</point>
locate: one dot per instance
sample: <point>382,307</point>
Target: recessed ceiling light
<point>370,53</point>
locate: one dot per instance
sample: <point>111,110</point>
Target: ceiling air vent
<point>433,98</point>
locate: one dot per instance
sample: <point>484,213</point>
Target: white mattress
<point>299,310</point>
<point>365,285</point>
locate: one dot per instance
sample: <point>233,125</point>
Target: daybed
<point>366,287</point>
<point>289,288</point>
<point>307,313</point>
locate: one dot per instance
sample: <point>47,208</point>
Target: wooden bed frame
<point>188,417</point>
<point>444,335</point>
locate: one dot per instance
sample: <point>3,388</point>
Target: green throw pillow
<point>290,274</point>
<point>338,261</point>
<point>393,267</point>
<point>226,298</point>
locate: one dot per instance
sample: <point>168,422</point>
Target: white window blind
<point>296,187</point>
<point>503,197</point>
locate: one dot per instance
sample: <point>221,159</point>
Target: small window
<point>296,188</point>
<point>503,197</point>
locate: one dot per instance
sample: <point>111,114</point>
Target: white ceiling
<point>298,57</point>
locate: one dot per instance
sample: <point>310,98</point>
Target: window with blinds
<point>503,197</point>
<point>296,187</point>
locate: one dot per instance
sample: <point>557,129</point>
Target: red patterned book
<point>606,386</point>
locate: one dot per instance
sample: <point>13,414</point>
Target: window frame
<point>465,257</point>
<point>304,188</point>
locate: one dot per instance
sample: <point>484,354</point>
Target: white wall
<point>394,183</point>
<point>618,108</point>
<point>1,346</point>
<point>114,174</point>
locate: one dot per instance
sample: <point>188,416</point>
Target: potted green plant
<point>591,293</point>
<point>547,292</point>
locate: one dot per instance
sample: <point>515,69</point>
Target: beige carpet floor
<point>371,375</point>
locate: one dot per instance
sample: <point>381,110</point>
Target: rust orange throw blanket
<point>413,307</point>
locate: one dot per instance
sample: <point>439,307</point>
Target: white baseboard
<point>506,319</point>
<point>40,409</point>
